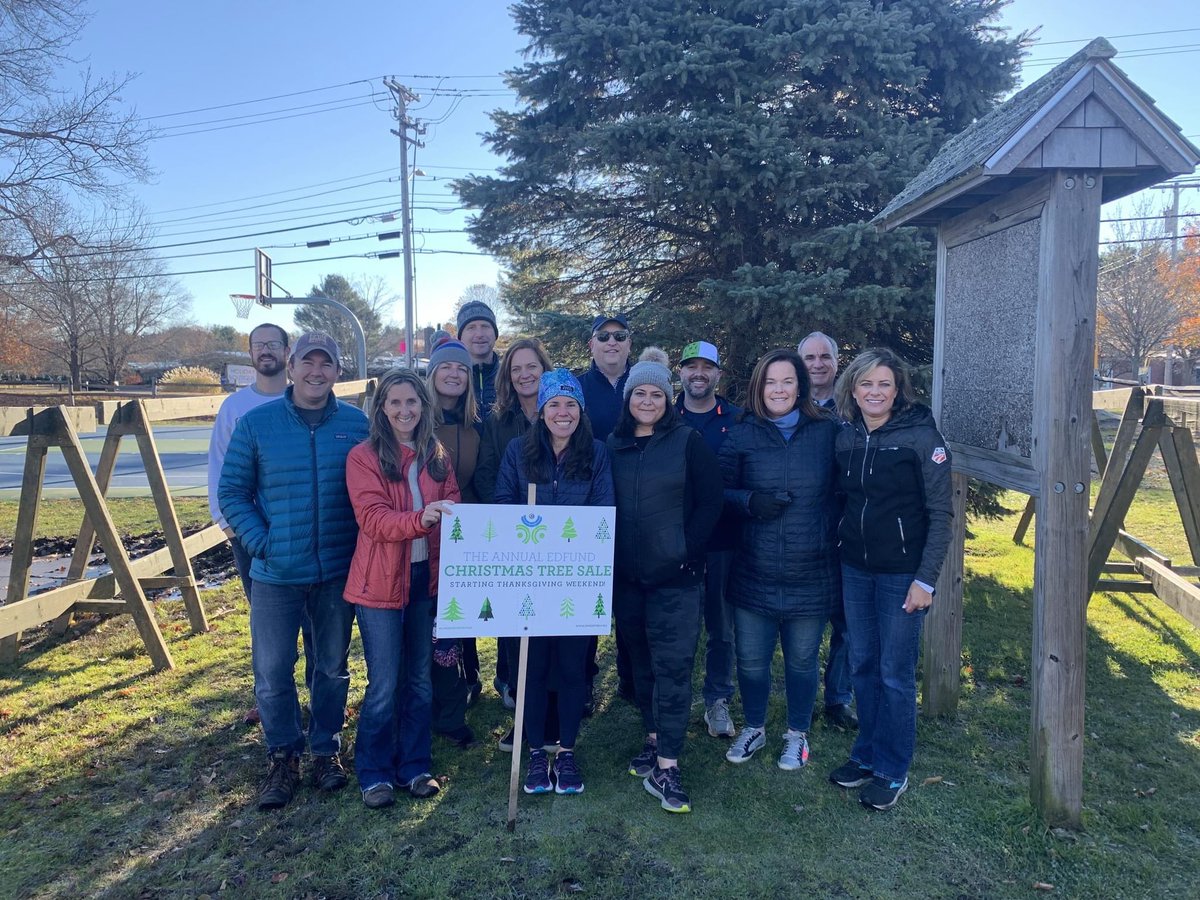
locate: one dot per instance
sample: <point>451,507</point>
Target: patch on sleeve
<point>939,455</point>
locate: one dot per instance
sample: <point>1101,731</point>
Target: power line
<point>1117,37</point>
<point>328,87</point>
<point>303,187</point>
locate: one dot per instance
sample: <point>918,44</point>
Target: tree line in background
<point>712,169</point>
<point>1148,300</point>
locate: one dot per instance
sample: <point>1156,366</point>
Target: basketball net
<point>242,304</point>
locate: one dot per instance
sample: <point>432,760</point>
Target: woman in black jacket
<point>667,482</point>
<point>894,469</point>
<point>778,469</point>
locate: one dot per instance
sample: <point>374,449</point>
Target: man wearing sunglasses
<point>603,394</point>
<point>604,381</point>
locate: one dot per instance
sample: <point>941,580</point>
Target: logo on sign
<point>531,530</point>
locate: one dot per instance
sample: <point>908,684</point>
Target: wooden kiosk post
<point>1016,201</point>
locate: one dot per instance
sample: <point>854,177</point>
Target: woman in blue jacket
<point>778,468</point>
<point>894,469</point>
<point>568,468</point>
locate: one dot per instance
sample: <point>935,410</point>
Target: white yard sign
<point>508,571</point>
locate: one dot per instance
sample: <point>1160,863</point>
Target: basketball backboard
<point>263,284</point>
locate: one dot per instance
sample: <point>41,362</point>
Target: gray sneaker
<point>716,717</point>
<point>795,751</point>
<point>746,744</point>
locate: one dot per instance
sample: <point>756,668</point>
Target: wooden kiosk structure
<point>1016,201</point>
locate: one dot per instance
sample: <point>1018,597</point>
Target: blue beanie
<point>449,351</point>
<point>559,383</point>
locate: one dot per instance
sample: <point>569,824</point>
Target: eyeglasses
<point>619,336</point>
<point>266,345</point>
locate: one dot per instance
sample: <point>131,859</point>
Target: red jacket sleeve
<point>374,504</point>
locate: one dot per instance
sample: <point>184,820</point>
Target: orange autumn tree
<point>1182,279</point>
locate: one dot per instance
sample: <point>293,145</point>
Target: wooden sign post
<point>530,571</point>
<point>1016,201</point>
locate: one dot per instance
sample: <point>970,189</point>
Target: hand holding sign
<point>433,513</point>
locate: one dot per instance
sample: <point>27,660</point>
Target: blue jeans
<point>394,741</point>
<point>885,642</point>
<point>242,560</point>
<point>276,614</point>
<point>755,636</point>
<point>718,622</point>
<point>837,664</point>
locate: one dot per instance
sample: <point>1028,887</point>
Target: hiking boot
<point>795,751</point>
<point>378,796</point>
<point>537,778</point>
<point>841,717</point>
<point>424,786</point>
<point>882,793</point>
<point>328,774</point>
<point>506,742</point>
<point>745,744</point>
<point>665,785</point>
<point>567,777</point>
<point>283,774</point>
<point>850,775</point>
<point>641,764</point>
<point>716,717</point>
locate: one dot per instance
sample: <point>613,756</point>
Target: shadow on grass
<point>119,782</point>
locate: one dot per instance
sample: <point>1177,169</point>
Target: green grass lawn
<point>115,781</point>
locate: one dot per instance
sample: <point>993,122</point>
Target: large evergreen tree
<point>710,167</point>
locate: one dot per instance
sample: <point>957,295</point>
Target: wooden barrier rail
<point>60,427</point>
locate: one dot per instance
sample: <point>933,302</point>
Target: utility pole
<point>403,96</point>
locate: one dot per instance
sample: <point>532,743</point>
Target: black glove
<point>764,505</point>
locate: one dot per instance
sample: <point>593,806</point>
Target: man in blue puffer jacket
<point>283,491</point>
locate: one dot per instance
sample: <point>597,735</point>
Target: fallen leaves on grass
<point>279,878</point>
<point>1148,792</point>
<point>932,779</point>
<point>1042,886</point>
<point>571,886</point>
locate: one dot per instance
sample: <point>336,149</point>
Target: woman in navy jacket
<point>894,469</point>
<point>778,468</point>
<point>568,468</point>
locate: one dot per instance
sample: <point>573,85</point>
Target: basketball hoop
<point>242,304</point>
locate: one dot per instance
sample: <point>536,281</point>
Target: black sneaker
<point>462,737</point>
<point>567,777</point>
<point>666,786</point>
<point>841,717</point>
<point>283,774</point>
<point>473,692</point>
<point>537,779</point>
<point>641,764</point>
<point>850,775</point>
<point>506,742</point>
<point>328,774</point>
<point>882,793</point>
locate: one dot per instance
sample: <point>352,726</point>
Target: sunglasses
<point>619,336</point>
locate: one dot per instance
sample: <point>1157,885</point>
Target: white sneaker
<point>744,745</point>
<point>795,751</point>
<point>716,717</point>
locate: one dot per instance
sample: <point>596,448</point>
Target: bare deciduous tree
<point>55,142</point>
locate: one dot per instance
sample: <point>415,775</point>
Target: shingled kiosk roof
<point>1084,113</point>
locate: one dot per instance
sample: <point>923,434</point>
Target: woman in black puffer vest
<point>778,469</point>
<point>669,499</point>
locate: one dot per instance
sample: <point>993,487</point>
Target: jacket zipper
<point>903,548</point>
<point>312,445</point>
<point>637,502</point>
<point>862,516</point>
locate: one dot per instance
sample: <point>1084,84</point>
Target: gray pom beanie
<point>651,368</point>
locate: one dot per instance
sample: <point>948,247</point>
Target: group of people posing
<point>822,501</point>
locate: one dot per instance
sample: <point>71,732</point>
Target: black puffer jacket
<point>787,565</point>
<point>668,500</point>
<point>898,495</point>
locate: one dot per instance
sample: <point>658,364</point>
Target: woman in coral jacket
<point>401,483</point>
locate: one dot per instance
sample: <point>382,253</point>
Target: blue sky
<point>329,154</point>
